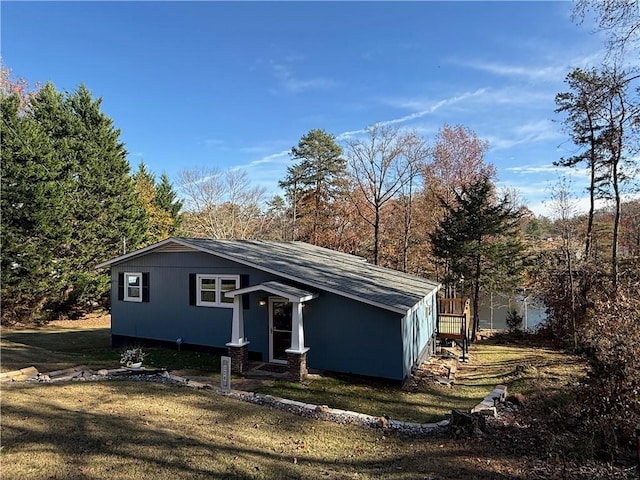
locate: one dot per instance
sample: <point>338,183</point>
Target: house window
<point>210,290</point>
<point>133,287</point>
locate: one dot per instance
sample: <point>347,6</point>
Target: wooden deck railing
<point>454,318</point>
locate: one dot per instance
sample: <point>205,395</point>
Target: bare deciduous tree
<point>380,169</point>
<point>221,204</point>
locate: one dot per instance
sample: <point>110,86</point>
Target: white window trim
<point>218,278</point>
<point>127,298</point>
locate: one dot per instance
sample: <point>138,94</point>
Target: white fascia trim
<point>299,352</point>
<point>257,288</point>
<point>242,344</point>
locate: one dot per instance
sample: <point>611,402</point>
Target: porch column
<point>297,354</point>
<point>238,346</point>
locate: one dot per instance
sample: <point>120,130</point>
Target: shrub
<point>514,320</point>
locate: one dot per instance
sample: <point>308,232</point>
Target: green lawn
<point>522,368</point>
<point>137,430</point>
<point>54,348</point>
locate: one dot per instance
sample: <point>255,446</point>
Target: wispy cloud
<point>425,108</point>
<point>291,82</point>
<point>273,158</point>
<point>547,169</point>
<point>554,68</point>
<point>530,132</point>
<point>530,72</point>
<point>213,142</point>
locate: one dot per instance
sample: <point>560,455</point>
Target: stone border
<point>320,412</point>
<point>488,405</point>
<point>19,375</point>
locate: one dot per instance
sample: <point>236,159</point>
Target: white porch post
<point>237,324</point>
<point>297,354</point>
<point>238,346</point>
<point>297,330</point>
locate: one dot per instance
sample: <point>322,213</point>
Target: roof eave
<point>402,310</point>
<point>142,251</point>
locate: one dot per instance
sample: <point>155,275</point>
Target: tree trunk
<point>616,226</point>
<point>589,235</point>
<point>407,231</point>
<point>573,298</point>
<point>376,235</point>
<point>476,295</point>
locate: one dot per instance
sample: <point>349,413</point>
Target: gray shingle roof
<point>325,269</point>
<point>317,267</point>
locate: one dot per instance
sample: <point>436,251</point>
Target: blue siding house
<point>281,302</point>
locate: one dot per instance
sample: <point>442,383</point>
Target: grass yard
<point>524,369</point>
<point>56,347</point>
<point>137,430</point>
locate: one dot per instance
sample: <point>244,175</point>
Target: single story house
<point>281,302</point>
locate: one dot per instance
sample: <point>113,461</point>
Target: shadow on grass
<point>138,430</point>
<point>50,349</point>
<point>520,366</point>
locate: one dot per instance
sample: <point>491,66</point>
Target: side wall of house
<point>418,332</point>
<point>345,335</point>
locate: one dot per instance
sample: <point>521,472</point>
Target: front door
<point>280,313</point>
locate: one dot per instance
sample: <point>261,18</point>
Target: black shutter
<point>121,286</point>
<point>244,282</point>
<point>192,289</point>
<point>145,287</point>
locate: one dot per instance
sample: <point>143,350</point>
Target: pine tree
<point>478,239</point>
<point>167,200</point>
<point>315,182</point>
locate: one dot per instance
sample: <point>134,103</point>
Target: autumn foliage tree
<point>379,169</point>
<point>160,203</point>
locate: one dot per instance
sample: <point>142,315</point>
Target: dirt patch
<point>90,320</point>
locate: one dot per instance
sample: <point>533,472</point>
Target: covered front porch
<point>286,327</point>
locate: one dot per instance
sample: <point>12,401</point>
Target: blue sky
<point>236,84</point>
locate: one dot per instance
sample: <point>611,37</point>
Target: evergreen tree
<point>167,200</point>
<point>159,221</point>
<point>315,182</point>
<point>68,202</point>
<point>107,210</point>
<point>479,240</point>
<point>35,233</point>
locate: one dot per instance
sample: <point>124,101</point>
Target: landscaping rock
<point>320,412</point>
<point>21,375</point>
